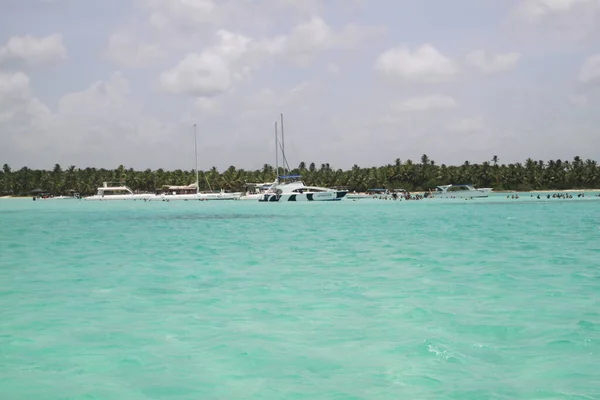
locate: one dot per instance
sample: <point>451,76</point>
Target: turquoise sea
<point>432,299</point>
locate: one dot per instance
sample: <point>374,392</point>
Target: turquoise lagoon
<point>435,299</point>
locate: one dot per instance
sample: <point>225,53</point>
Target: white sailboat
<point>211,195</point>
<point>190,192</point>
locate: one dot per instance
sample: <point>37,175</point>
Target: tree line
<point>409,175</point>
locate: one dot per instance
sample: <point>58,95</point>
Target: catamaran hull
<point>319,196</point>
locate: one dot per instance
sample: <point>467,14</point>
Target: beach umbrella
<point>35,191</point>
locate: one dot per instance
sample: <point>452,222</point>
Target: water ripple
<point>378,300</point>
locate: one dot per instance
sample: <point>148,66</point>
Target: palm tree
<point>553,174</point>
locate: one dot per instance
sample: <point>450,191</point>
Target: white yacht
<point>118,193</point>
<point>460,192</point>
<point>296,190</point>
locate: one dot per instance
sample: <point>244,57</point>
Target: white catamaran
<point>295,189</point>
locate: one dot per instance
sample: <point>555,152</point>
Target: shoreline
<point>423,192</point>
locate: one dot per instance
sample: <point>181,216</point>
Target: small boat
<point>459,191</point>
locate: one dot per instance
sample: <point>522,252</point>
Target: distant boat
<point>191,192</point>
<point>460,191</point>
<point>173,192</point>
<point>117,193</point>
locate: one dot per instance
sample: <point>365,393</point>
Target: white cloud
<point>577,99</point>
<point>307,39</point>
<point>491,64</point>
<point>211,72</point>
<point>16,97</point>
<point>273,56</point>
<point>35,51</point>
<point>537,9</point>
<point>126,50</point>
<point>268,102</point>
<point>100,95</point>
<point>206,106</point>
<point>467,125</point>
<point>425,103</point>
<point>100,125</point>
<point>217,69</point>
<point>576,19</point>
<point>310,38</point>
<point>425,64</point>
<point>179,14</point>
<point>333,68</point>
<point>590,70</point>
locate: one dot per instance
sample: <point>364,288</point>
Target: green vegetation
<point>532,175</point>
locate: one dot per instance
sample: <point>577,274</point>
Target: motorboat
<point>296,190</point>
<point>459,191</point>
<point>118,193</point>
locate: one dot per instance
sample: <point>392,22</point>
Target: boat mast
<point>196,155</point>
<point>285,164</point>
<point>276,154</point>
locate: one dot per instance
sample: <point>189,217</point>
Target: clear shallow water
<point>483,299</point>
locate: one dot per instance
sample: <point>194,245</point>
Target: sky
<point>104,83</point>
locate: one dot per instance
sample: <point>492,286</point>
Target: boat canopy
<point>376,190</point>
<point>289,176</point>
